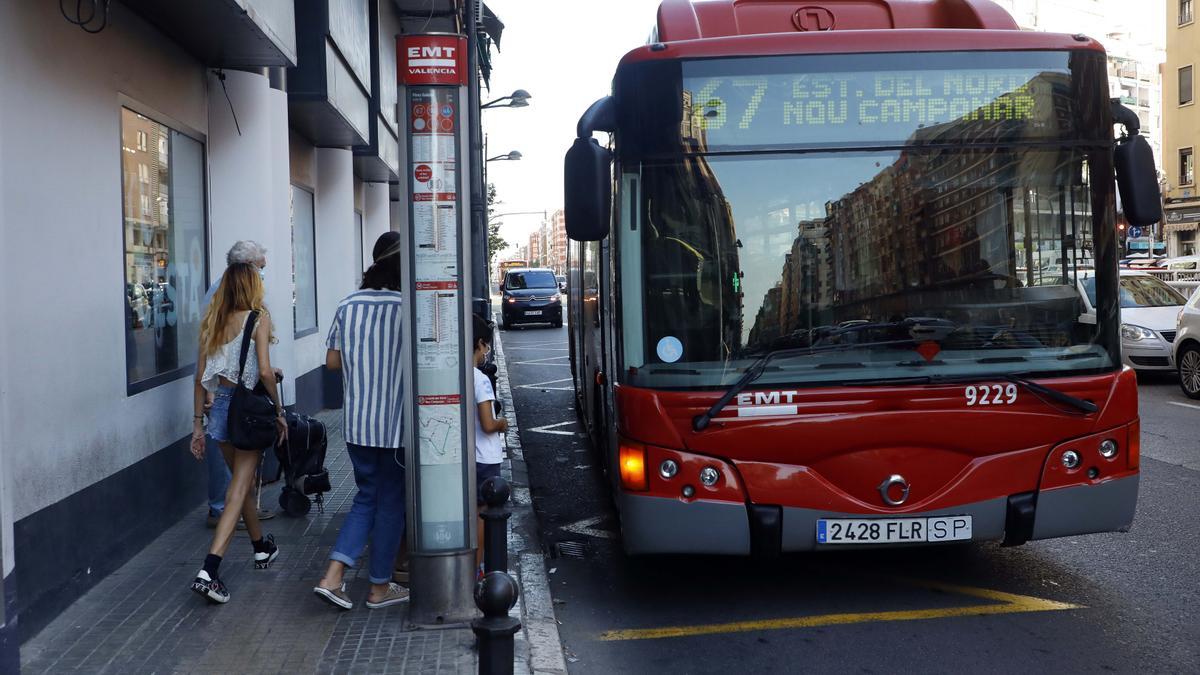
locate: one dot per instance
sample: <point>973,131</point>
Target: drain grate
<point>570,549</point>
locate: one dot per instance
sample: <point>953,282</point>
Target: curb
<point>538,647</point>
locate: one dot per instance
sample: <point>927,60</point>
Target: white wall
<point>376,217</point>
<point>248,181</point>
<point>61,263</point>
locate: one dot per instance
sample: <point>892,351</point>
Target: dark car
<point>531,295</point>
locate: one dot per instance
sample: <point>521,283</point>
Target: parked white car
<point>1149,313</point>
<point>1187,346</point>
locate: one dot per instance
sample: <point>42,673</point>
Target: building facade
<point>132,157</point>
<point>1181,130</point>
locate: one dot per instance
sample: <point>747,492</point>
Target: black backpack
<point>302,465</point>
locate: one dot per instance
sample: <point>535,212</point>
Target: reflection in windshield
<point>910,258</point>
<point>524,280</point>
<point>1139,291</point>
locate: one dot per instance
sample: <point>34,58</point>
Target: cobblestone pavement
<point>144,619</point>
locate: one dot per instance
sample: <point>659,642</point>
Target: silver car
<point>1187,346</point>
<point>1149,310</point>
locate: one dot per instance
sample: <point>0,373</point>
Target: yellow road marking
<point>1007,603</point>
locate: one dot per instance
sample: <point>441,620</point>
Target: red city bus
<point>506,265</point>
<point>822,279</point>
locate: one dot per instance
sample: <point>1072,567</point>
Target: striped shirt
<point>367,330</point>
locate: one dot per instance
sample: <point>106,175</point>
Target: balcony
<point>227,33</point>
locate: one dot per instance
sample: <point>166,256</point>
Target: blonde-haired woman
<point>239,297</point>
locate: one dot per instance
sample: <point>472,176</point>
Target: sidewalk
<point>143,618</point>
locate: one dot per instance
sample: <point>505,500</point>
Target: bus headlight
<point>1108,449</point>
<point>668,469</point>
<point>1070,459</point>
<point>1134,333</point>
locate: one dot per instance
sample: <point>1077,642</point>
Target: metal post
<point>495,595</point>
<point>495,492</point>
<point>497,592</point>
<point>480,292</point>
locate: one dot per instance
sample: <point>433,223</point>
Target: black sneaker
<point>263,559</point>
<point>212,589</point>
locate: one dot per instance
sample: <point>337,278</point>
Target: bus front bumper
<point>651,525</point>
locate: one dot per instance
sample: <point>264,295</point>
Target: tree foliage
<point>495,242</point>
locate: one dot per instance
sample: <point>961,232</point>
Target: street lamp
<point>517,213</point>
<point>518,99</point>
<point>512,157</point>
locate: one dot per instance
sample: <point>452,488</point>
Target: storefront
<point>1182,222</point>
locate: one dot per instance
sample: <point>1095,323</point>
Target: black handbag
<point>251,412</point>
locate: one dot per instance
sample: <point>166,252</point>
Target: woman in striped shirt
<point>364,343</point>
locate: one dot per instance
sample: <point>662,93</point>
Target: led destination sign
<point>739,108</point>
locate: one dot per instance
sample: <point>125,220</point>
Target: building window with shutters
<point>1187,167</point>
<point>1185,85</point>
<point>1185,12</point>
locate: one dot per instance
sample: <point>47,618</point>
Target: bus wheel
<point>1189,370</point>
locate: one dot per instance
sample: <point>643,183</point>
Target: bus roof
<point>724,28</point>
<point>698,19</point>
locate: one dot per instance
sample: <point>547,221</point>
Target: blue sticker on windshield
<point>670,349</point>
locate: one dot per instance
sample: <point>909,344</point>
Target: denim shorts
<point>218,415</point>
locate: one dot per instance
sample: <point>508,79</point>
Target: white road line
<point>544,349</point>
<point>541,385</point>
<point>585,527</point>
<point>548,429</point>
<point>1185,405</point>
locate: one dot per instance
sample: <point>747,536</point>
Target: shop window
<point>1185,85</point>
<point>1187,167</point>
<point>304,262</point>
<point>166,256</point>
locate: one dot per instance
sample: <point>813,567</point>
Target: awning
<point>489,29</point>
<point>491,25</point>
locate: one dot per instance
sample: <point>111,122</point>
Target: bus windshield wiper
<point>1040,391</point>
<point>753,372</point>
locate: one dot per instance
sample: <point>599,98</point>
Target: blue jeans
<point>377,513</point>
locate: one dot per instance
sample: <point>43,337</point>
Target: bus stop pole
<point>439,437</point>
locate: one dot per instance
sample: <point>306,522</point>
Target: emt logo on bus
<point>431,59</point>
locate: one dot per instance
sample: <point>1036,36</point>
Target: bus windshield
<point>868,265</point>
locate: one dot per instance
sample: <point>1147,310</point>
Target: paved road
<point>1113,602</point>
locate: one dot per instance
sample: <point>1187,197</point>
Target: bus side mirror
<point>1137,179</point>
<point>587,190</point>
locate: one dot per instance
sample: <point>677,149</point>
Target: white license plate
<point>533,312</point>
<point>893,530</point>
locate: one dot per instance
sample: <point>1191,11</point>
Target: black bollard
<point>495,492</point>
<point>495,594</point>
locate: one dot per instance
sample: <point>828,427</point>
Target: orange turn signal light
<point>632,457</point>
